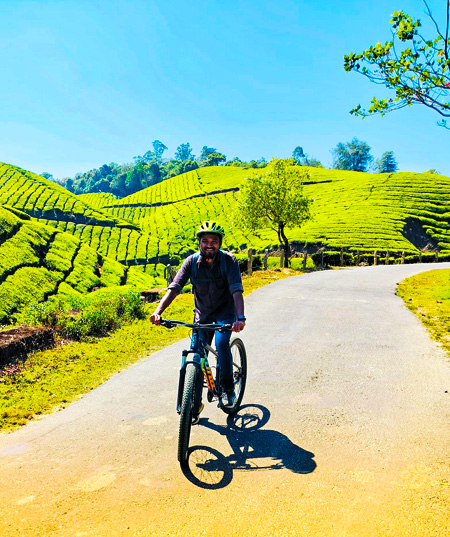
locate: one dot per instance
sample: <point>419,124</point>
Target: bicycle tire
<point>187,405</point>
<point>239,356</point>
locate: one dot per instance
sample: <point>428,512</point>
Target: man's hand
<point>238,326</point>
<point>156,319</point>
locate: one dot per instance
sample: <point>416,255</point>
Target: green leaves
<point>275,199</point>
<point>416,68</point>
<point>405,26</point>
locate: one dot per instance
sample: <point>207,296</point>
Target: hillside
<point>38,262</point>
<point>352,210</point>
<point>43,199</point>
<point>202,181</point>
<point>81,216</point>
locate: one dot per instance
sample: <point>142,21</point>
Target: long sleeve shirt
<point>213,287</point>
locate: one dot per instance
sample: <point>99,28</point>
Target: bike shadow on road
<point>254,448</point>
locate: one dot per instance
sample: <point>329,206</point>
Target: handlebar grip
<point>225,328</point>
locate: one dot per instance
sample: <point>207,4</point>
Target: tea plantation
<point>53,242</point>
<point>38,262</point>
<point>352,210</point>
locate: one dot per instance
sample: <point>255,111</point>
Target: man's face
<point>209,245</point>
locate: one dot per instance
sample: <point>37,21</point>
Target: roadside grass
<point>428,296</point>
<point>54,378</point>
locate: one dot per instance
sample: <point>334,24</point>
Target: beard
<point>208,254</point>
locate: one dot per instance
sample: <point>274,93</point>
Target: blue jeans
<point>225,360</point>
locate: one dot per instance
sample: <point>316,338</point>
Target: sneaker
<point>196,419</point>
<point>228,399</point>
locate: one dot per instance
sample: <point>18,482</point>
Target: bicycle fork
<point>203,368</point>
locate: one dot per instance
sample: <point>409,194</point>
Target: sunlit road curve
<point>345,431</point>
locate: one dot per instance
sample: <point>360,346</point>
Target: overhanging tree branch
<point>419,73</point>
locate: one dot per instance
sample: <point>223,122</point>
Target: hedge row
<point>333,258</point>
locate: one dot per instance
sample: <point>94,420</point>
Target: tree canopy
<point>387,163</point>
<point>275,199</point>
<point>214,159</point>
<point>302,159</point>
<point>298,154</point>
<point>206,151</point>
<point>415,67</point>
<point>184,152</point>
<point>354,155</point>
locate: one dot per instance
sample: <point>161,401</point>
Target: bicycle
<point>188,399</point>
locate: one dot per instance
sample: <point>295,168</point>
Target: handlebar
<point>169,323</point>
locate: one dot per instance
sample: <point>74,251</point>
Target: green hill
<point>38,261</point>
<point>43,199</point>
<point>353,210</point>
<point>97,200</point>
<point>199,182</point>
<point>81,216</point>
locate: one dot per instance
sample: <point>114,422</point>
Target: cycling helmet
<point>210,227</point>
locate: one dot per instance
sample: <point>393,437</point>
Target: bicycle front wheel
<point>187,406</point>
<point>239,357</point>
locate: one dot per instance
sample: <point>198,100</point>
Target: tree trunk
<point>285,243</point>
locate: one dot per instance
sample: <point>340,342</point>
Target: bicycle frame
<point>199,360</point>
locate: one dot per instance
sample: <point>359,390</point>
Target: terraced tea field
<point>352,210</point>
<point>43,199</point>
<point>401,212</point>
<point>52,241</point>
<point>38,262</point>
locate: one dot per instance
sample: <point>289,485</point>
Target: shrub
<point>77,316</point>
<point>333,258</point>
<point>242,259</point>
<point>296,263</point>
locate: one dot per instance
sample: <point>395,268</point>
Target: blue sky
<point>89,82</point>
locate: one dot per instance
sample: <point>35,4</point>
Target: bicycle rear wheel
<point>187,406</point>
<point>239,373</point>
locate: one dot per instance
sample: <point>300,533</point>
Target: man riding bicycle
<point>218,297</point>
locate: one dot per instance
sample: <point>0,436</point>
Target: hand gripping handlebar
<point>169,323</point>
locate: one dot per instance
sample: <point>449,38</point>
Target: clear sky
<point>89,82</point>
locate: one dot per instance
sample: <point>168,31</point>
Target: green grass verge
<point>54,378</point>
<point>428,296</point>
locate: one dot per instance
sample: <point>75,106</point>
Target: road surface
<point>345,431</point>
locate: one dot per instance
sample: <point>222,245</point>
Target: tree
<point>174,167</point>
<point>206,151</point>
<point>184,153</point>
<point>416,68</point>
<point>135,179</point>
<point>354,155</point>
<point>153,156</point>
<point>214,159</point>
<point>47,175</point>
<point>118,185</point>
<point>236,161</point>
<point>105,170</point>
<point>68,184</point>
<point>276,200</point>
<point>387,163</point>
<point>158,148</point>
<point>302,159</point>
<point>298,154</point>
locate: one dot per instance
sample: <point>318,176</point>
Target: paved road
<point>345,431</point>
